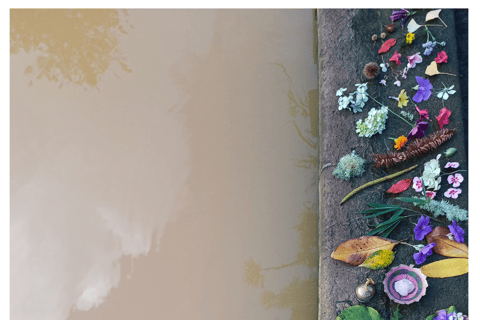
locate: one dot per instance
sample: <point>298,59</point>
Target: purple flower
<point>422,228</point>
<point>402,14</point>
<point>442,315</point>
<point>422,255</point>
<point>423,92</point>
<point>456,180</point>
<point>419,130</point>
<point>457,232</point>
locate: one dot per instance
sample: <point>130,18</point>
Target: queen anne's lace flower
<point>374,123</point>
<point>431,172</point>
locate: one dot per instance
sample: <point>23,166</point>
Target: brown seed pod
<point>374,37</point>
<point>371,70</point>
<point>383,35</point>
<point>417,149</point>
<point>390,28</point>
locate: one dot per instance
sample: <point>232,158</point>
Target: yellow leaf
<point>356,251</point>
<point>379,259</point>
<point>433,70</point>
<point>446,268</point>
<point>433,15</point>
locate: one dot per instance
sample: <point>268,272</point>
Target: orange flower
<point>400,142</point>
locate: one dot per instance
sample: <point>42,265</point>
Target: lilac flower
<point>452,193</point>
<point>442,315</point>
<point>419,130</point>
<point>457,232</point>
<point>417,184</point>
<point>422,228</point>
<point>424,87</point>
<point>429,47</point>
<point>452,165</point>
<point>402,14</point>
<point>456,180</point>
<point>422,255</point>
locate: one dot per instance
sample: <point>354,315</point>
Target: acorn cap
<point>414,275</point>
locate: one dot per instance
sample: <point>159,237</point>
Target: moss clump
<point>349,166</point>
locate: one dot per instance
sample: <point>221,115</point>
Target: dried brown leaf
<point>356,251</point>
<point>444,246</point>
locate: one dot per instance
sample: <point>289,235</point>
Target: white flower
<point>445,92</point>
<point>384,82</point>
<point>397,83</point>
<point>340,91</point>
<point>431,174</point>
<point>384,66</point>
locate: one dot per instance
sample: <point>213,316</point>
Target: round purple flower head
<point>457,232</point>
<point>423,92</point>
<point>422,228</point>
<point>442,315</point>
<point>422,255</point>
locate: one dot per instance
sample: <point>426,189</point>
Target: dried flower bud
<point>450,152</point>
<point>374,37</point>
<point>383,35</point>
<point>390,28</point>
<point>371,70</point>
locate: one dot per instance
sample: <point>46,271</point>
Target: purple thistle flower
<point>422,255</point>
<point>423,92</point>
<point>422,228</point>
<point>442,315</point>
<point>457,232</point>
<point>402,14</point>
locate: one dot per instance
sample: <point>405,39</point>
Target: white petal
<point>440,94</point>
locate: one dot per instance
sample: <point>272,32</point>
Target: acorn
<point>383,35</point>
<point>390,28</point>
<point>374,37</point>
<point>365,291</point>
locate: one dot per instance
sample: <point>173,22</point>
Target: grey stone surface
<point>345,46</point>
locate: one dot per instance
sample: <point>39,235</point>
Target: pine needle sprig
<point>416,149</point>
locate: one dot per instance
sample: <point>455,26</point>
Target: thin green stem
<point>371,183</point>
<point>453,172</point>
<point>391,111</point>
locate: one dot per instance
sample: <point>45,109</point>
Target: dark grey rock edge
<point>345,46</point>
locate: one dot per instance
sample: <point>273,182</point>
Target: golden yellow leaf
<point>356,251</point>
<point>433,15</point>
<point>446,268</point>
<point>444,246</point>
<point>433,70</point>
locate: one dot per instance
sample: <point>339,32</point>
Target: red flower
<point>441,57</point>
<point>396,58</point>
<point>423,113</point>
<point>387,45</point>
<point>442,118</point>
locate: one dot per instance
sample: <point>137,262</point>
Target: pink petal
<point>450,179</point>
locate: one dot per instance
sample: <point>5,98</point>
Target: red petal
<point>423,113</point>
<point>400,186</point>
<point>387,45</point>
<point>442,118</point>
<point>441,57</point>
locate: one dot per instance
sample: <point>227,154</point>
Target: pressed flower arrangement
<point>418,133</point>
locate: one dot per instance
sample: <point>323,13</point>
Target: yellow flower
<point>400,142</point>
<point>410,37</point>
<point>402,99</point>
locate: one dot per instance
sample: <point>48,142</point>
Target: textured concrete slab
<point>345,46</point>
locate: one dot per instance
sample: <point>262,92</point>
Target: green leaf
<point>379,260</point>
<point>397,315</point>
<point>415,200</point>
<point>389,230</point>
<point>380,213</point>
<point>449,310</point>
<point>378,230</point>
<point>359,312</point>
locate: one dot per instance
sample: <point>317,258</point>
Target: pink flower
<point>417,184</point>
<point>441,57</point>
<point>442,118</point>
<point>413,60</point>
<point>452,193</point>
<point>431,194</point>
<point>396,58</point>
<point>456,180</point>
<point>452,165</point>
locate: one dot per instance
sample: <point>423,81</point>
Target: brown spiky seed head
<point>371,70</point>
